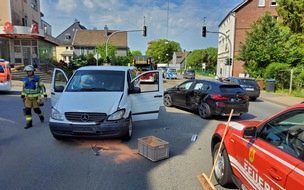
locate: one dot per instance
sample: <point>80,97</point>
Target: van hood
<point>103,102</point>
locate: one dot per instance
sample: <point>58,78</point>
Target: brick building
<point>232,31</point>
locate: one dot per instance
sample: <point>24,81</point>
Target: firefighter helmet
<point>29,68</point>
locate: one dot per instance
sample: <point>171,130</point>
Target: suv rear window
<point>231,89</point>
<point>1,69</point>
<point>248,82</point>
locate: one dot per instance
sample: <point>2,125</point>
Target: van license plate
<point>83,130</point>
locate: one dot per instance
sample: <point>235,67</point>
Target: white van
<point>102,101</point>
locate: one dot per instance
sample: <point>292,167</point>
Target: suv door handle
<point>158,96</point>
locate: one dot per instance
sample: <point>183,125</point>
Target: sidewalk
<point>280,99</point>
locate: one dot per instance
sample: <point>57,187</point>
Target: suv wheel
<point>167,100</point>
<point>204,110</point>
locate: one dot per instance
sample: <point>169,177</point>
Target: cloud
<point>182,22</point>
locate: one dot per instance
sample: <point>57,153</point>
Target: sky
<point>180,21</point>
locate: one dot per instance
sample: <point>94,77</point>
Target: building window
<point>67,36</point>
<point>261,3</point>
<point>24,20</point>
<point>71,48</point>
<point>34,4</point>
<point>273,3</point>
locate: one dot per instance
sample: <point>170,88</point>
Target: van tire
<point>128,136</point>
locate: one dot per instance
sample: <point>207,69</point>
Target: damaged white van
<point>102,101</point>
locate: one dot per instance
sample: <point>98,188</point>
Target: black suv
<point>248,84</point>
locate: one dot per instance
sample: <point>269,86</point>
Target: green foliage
<point>278,71</point>
<point>198,57</point>
<point>292,12</point>
<point>136,53</point>
<point>101,49</point>
<point>161,51</point>
<point>90,59</point>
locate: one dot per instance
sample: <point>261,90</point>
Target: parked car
<point>162,69</point>
<point>208,97</point>
<point>189,74</point>
<point>248,84</point>
<point>5,76</point>
<point>170,73</point>
<point>102,101</point>
<point>266,154</point>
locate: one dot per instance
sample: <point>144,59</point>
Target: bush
<point>278,71</point>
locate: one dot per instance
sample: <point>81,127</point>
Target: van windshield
<point>97,80</point>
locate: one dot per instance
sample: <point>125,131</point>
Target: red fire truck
<point>143,64</point>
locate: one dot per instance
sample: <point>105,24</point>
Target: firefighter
<point>33,87</point>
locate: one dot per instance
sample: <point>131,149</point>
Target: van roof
<point>111,68</point>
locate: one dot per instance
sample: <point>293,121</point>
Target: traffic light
<point>144,31</point>
<point>204,31</point>
<point>133,61</point>
<point>228,61</point>
<point>149,60</point>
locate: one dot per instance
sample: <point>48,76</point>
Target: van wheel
<point>222,168</point>
<point>204,110</point>
<point>128,136</point>
<point>167,100</point>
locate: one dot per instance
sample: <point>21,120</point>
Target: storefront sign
<point>8,27</point>
<point>35,29</point>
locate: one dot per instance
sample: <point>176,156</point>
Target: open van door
<point>59,81</point>
<point>147,103</point>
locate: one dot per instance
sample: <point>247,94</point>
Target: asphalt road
<point>33,159</point>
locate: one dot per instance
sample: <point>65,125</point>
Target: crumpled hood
<point>106,102</point>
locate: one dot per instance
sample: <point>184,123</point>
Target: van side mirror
<point>59,88</point>
<point>135,90</point>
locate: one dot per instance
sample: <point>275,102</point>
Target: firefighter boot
<point>41,117</point>
<point>28,124</point>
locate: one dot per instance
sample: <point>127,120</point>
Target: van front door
<point>146,104</point>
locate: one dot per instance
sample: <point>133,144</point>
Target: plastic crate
<point>153,148</point>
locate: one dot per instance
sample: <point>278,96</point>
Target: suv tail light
<point>7,77</point>
<point>218,97</point>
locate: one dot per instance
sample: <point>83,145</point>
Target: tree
<point>292,13</point>
<point>136,53</point>
<point>264,44</point>
<point>161,51</point>
<point>198,57</point>
<point>101,49</point>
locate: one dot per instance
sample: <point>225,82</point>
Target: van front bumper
<point>111,129</point>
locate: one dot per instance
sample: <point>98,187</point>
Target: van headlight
<point>56,115</point>
<point>117,115</point>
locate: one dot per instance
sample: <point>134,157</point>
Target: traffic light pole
<point>230,49</point>
<point>113,35</point>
